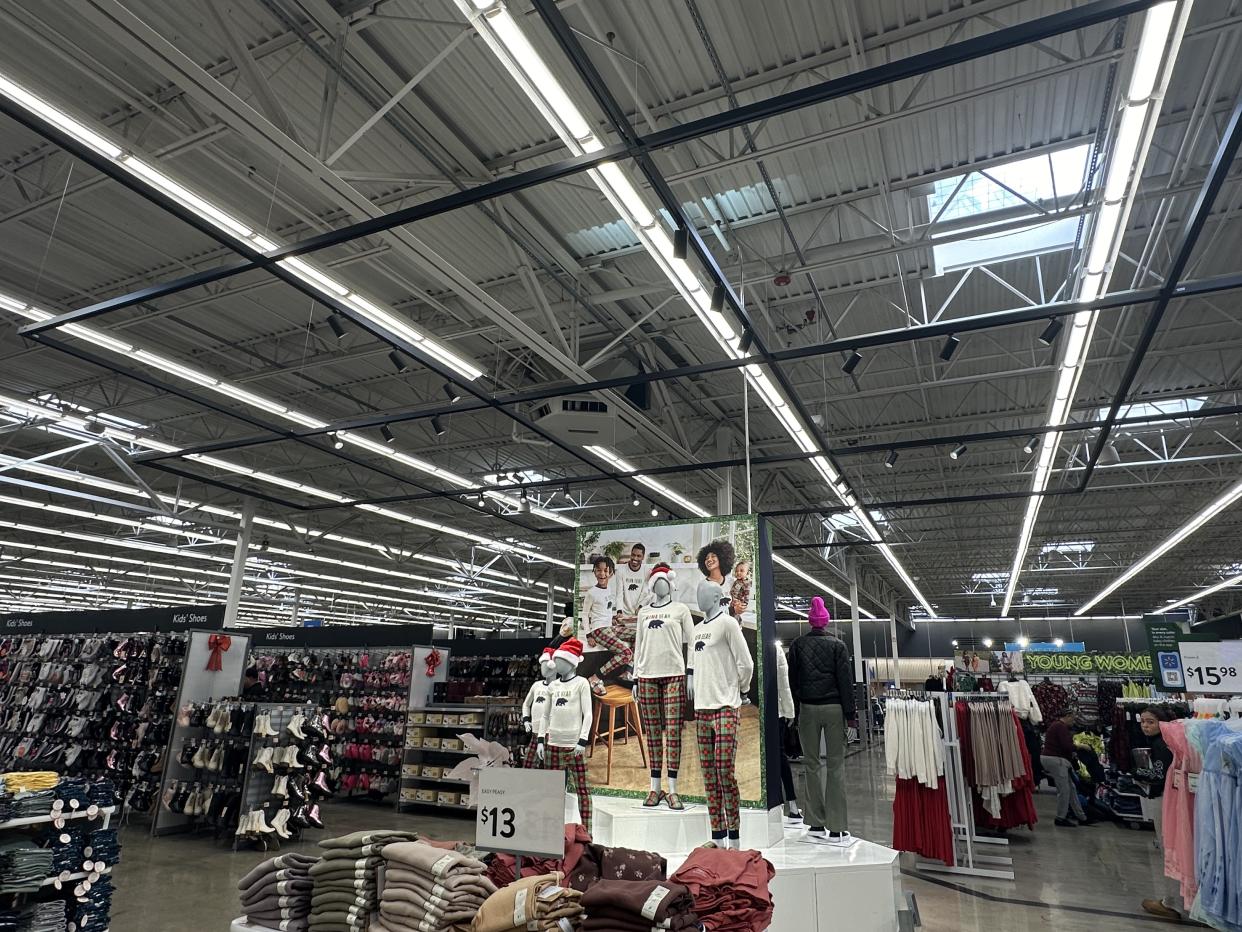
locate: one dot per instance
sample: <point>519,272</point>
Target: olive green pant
<point>824,802</point>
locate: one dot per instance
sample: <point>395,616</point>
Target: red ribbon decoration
<point>433,660</point>
<point>219,643</point>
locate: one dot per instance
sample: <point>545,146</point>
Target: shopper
<point>252,687</point>
<point>1161,757</point>
<point>1058,762</point>
<point>821,679</point>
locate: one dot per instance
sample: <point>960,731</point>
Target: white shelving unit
<point>104,813</point>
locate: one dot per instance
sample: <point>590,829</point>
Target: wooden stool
<point>614,698</point>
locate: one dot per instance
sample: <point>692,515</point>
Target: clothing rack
<point>969,861</point>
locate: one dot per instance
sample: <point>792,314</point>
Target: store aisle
<point>1069,880</point>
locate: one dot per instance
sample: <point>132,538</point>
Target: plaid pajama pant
<point>529,759</point>
<point>717,730</point>
<point>557,758</point>
<point>661,705</point>
<point>612,640</point>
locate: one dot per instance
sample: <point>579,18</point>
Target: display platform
<point>818,888</point>
<point>623,823</point>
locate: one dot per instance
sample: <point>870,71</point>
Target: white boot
<point>295,726</point>
<point>281,787</point>
<point>280,822</point>
<point>260,823</point>
<point>223,719</point>
<point>263,761</point>
<point>291,758</point>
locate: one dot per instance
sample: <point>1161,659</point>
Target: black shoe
<point>1066,823</point>
<point>1089,820</point>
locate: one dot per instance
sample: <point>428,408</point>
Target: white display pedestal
<point>623,823</point>
<point>818,888</point>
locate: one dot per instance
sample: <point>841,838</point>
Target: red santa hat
<point>571,650</point>
<point>546,653</point>
<point>661,570</point>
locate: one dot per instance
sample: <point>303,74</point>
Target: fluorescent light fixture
<point>817,583</point>
<point>186,198</point>
<point>622,465</point>
<point>1203,593</point>
<point>164,364</point>
<point>1158,46</point>
<point>250,398</point>
<point>58,118</point>
<point>98,338</point>
<point>308,273</point>
<point>1202,517</point>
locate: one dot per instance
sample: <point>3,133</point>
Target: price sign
<point>1213,666</point>
<point>521,811</point>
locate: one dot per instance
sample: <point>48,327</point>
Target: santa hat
<point>661,570</point>
<point>546,653</point>
<point>571,650</point>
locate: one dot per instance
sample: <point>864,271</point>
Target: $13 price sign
<point>521,811</point>
<point>1213,666</point>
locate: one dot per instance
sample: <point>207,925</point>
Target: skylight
<point>1172,407</point>
<point>1076,547</point>
<point>1027,184</point>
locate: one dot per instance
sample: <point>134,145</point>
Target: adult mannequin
<point>662,630</point>
<point>821,678</point>
<point>569,724</point>
<point>535,707</point>
<point>718,672</point>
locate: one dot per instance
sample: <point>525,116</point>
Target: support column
<point>549,623</point>
<point>860,669</point>
<point>240,552</point>
<point>892,633</point>
<point>724,494</point>
<point>297,607</point>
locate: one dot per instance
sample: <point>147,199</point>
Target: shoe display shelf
<point>286,775</point>
<point>88,706</point>
<point>433,748</point>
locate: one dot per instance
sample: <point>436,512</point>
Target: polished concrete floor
<point>1068,879</point>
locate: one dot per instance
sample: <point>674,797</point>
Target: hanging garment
<point>914,754</point>
<point>1178,808</point>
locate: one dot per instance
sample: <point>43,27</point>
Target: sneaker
<point>817,835</point>
<point>795,819</point>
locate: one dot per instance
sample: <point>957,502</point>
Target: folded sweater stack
<point>639,906</point>
<point>729,888</point>
<point>430,889</point>
<point>535,904</point>
<point>277,893</point>
<point>345,894</point>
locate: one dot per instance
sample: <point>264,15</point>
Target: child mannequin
<point>569,724</point>
<point>535,707</point>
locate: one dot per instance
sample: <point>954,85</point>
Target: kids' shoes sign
<point>1074,664</point>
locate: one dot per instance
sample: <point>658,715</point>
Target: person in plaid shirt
<point>662,629</point>
<point>718,673</point>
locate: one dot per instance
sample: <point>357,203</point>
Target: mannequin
<point>663,628</point>
<point>718,672</point>
<point>535,707</point>
<point>563,745</point>
<point>821,678</point>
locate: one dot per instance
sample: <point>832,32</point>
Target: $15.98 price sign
<point>521,811</point>
<point>1212,666</point>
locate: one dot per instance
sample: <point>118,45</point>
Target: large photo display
<point>668,617</point>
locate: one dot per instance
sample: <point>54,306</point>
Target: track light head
<point>718,298</point>
<point>451,393</point>
<point>264,544</point>
<point>957,452</point>
<point>681,243</point>
<point>636,501</point>
<point>337,442</point>
<point>1052,331</point>
<point>1031,444</point>
<point>335,325</point>
<point>949,348</point>
<point>387,434</point>
<point>655,512</point>
<point>438,426</point>
<point>398,362</point>
<point>891,460</point>
<point>743,345</point>
<point>852,363</point>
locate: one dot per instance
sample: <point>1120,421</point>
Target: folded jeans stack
<point>90,909</point>
<point>729,888</point>
<point>33,805</point>
<point>23,865</point>
<point>6,812</point>
<point>47,916</point>
<point>535,904</point>
<point>102,847</point>
<point>639,906</point>
<point>430,889</point>
<point>345,893</point>
<point>276,894</point>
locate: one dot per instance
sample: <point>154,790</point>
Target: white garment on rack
<point>913,744</point>
<point>1022,698</point>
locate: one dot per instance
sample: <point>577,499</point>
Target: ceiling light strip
<point>1201,594</point>
<point>505,38</point>
<point>1202,517</point>
<point>1158,46</point>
